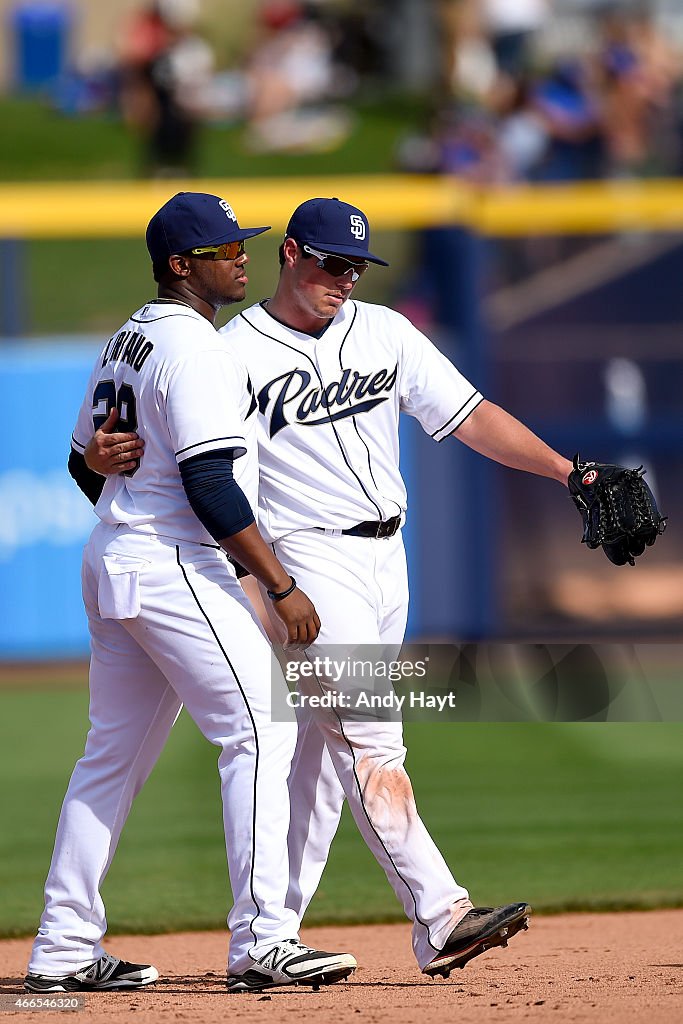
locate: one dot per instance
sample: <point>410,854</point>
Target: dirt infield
<point>572,968</point>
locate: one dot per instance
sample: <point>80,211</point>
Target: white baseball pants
<point>170,626</point>
<point>360,589</point>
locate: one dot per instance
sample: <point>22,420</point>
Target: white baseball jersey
<point>329,410</point>
<point>175,382</point>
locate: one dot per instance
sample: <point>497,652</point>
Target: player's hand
<point>107,452</point>
<point>300,618</point>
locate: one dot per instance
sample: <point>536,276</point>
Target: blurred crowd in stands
<point>510,100</point>
<point>523,106</point>
<point>291,88</point>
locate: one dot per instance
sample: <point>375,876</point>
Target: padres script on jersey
<point>173,380</point>
<point>329,409</point>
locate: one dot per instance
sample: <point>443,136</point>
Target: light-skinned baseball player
<point>331,376</point>
<point>169,623</point>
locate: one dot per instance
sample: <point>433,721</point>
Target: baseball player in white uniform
<point>331,376</point>
<point>169,623</point>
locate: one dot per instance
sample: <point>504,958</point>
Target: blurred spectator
<point>522,131</point>
<point>610,106</point>
<point>90,86</point>
<point>490,38</point>
<point>512,26</point>
<point>471,69</point>
<point>572,116</point>
<point>362,43</point>
<point>461,142</point>
<point>638,71</point>
<point>290,78</point>
<point>166,72</point>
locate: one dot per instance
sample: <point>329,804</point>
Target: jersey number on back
<point>105,398</point>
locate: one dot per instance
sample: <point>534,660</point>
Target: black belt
<point>375,529</point>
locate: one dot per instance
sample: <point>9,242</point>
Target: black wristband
<point>284,593</point>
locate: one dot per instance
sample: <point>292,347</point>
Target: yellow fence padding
<point>122,209</point>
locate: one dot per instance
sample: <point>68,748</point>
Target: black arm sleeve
<point>217,500</point>
<point>89,482</point>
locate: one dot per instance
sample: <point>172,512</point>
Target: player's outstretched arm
<point>110,452</point>
<point>493,432</point>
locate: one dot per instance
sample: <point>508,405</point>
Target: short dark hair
<point>162,270</point>
<point>159,270</point>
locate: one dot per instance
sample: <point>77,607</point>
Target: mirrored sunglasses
<point>226,251</point>
<point>337,266</point>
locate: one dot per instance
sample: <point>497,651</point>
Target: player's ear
<point>180,265</point>
<point>290,250</point>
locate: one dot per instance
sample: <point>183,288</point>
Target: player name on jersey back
<point>172,379</point>
<point>130,347</point>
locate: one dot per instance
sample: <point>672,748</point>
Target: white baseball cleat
<point>106,974</point>
<point>292,963</point>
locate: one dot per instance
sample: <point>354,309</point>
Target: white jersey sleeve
<point>204,392</point>
<point>430,386</point>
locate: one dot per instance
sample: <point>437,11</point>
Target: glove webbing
<point>611,523</point>
<point>608,522</point>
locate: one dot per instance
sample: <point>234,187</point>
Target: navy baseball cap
<point>332,226</point>
<point>190,220</point>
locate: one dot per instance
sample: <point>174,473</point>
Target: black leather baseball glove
<point>618,509</point>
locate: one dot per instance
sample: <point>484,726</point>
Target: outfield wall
<point>45,518</point>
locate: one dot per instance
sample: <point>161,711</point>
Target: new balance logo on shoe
<point>292,963</point>
<point>106,974</point>
<point>271,961</point>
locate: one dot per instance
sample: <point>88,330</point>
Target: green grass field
<point>579,816</point>
<point>40,144</point>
